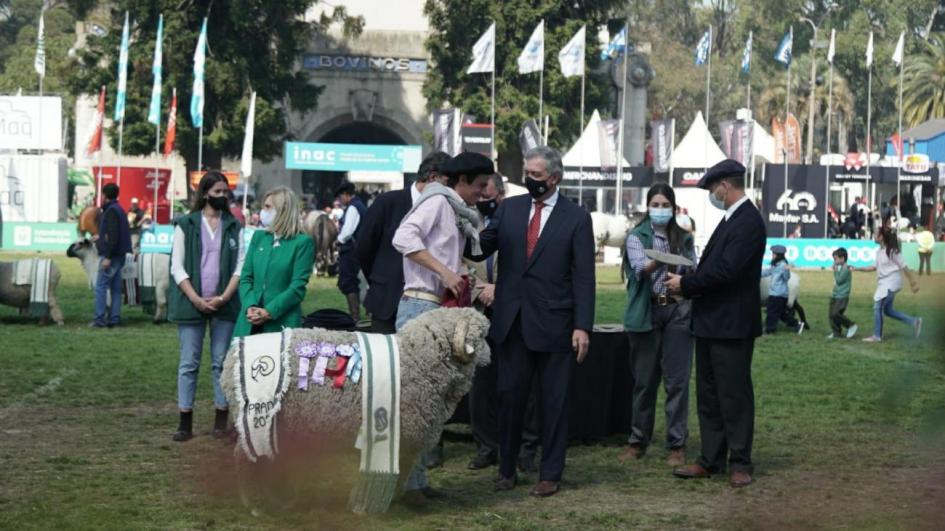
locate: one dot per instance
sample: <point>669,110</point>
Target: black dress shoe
<point>181,436</point>
<point>481,461</point>
<point>503,484</point>
<point>432,494</point>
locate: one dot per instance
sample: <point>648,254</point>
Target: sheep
<point>86,252</point>
<point>19,296</point>
<point>439,352</point>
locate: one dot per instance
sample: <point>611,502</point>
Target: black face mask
<point>487,207</point>
<point>219,202</point>
<point>535,187</point>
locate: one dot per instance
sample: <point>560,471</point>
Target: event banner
<point>792,139</point>
<point>777,132</point>
<point>798,208</point>
<point>632,176</point>
<point>530,137</point>
<point>38,236</point>
<point>352,157</point>
<point>31,122</point>
<point>32,187</point>
<point>446,131</point>
<point>160,238</point>
<point>818,252</point>
<point>736,138</point>
<point>477,138</point>
<point>661,136</point>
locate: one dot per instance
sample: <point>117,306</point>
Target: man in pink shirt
<point>432,238</point>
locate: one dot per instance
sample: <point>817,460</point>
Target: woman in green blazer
<point>278,265</point>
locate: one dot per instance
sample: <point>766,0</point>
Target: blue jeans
<point>108,280</point>
<point>408,309</point>
<point>191,350</point>
<point>885,306</point>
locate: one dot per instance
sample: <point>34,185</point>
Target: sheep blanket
<point>34,272</point>
<point>261,382</point>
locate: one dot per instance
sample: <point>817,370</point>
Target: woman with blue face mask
<point>658,326</point>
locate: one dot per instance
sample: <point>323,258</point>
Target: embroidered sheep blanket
<point>261,380</point>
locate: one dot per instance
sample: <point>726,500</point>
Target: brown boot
<point>354,306</point>
<point>632,453</point>
<point>676,457</point>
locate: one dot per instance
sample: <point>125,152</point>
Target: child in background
<point>843,279</point>
<point>777,308</point>
<point>889,270</point>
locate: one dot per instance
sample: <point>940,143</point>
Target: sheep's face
<point>80,249</point>
<point>469,339</point>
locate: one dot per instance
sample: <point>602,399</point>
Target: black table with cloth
<point>601,389</point>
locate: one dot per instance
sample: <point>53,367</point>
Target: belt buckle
<point>662,299</point>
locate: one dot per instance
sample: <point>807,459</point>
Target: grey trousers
<point>664,353</point>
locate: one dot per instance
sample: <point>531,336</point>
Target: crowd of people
<point>453,239</point>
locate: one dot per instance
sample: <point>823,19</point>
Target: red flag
<point>897,144</point>
<point>171,127</point>
<point>96,130</point>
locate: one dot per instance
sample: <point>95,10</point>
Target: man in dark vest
<point>348,266</point>
<point>113,243</point>
<point>726,319</point>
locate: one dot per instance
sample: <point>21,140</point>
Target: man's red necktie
<point>534,229</point>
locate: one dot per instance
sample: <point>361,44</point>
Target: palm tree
<point>923,86</point>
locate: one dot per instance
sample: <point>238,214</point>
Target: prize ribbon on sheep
<point>261,379</point>
<point>380,424</point>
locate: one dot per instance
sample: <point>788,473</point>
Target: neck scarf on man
<point>467,218</point>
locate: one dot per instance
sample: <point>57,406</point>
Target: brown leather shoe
<point>739,478</point>
<point>691,472</point>
<point>632,453</point>
<point>503,484</point>
<point>676,457</point>
<point>545,488</point>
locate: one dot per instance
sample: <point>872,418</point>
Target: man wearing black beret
<point>726,319</point>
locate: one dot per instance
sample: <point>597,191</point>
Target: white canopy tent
<point>697,149</point>
<point>586,151</point>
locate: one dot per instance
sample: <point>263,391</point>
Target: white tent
<point>586,151</point>
<point>763,145</point>
<point>697,149</point>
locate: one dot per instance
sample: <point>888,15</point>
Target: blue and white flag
<point>39,61</point>
<point>616,46</point>
<point>532,58</point>
<point>785,49</point>
<point>571,57</point>
<point>200,59</point>
<point>154,112</point>
<point>869,51</point>
<point>746,56</point>
<point>484,53</point>
<point>704,48</point>
<point>122,73</point>
<point>832,48</point>
<point>900,48</point>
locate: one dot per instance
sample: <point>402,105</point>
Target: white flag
<point>869,51</point>
<point>832,49</point>
<point>484,53</point>
<point>897,55</point>
<point>571,56</point>
<point>246,161</point>
<point>532,58</point>
<point>39,62</point>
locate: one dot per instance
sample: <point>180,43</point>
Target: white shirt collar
<point>414,193</point>
<point>551,200</point>
<point>731,210</point>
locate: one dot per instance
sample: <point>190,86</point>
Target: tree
<point>252,45</point>
<point>457,24</point>
<point>923,87</point>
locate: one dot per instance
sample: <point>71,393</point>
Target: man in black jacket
<point>543,312</point>
<point>726,319</point>
<point>113,242</point>
<point>381,263</point>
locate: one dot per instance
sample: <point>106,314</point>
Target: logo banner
<point>800,204</point>
<point>530,137</point>
<point>661,135</point>
<point>608,131</point>
<point>446,131</point>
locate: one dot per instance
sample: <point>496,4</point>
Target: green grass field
<point>847,435</point>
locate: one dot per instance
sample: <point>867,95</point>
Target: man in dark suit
<point>381,263</point>
<point>543,311</point>
<point>726,319</point>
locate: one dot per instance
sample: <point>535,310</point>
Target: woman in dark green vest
<point>278,265</point>
<point>658,324</point>
<point>206,259</point>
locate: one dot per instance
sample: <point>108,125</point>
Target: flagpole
<point>200,148</point>
<point>902,142</point>
<point>157,157</point>
<point>708,88</point>
<point>121,132</point>
<point>541,85</point>
<point>581,168</point>
<point>869,147</point>
<point>787,111</point>
<point>618,200</point>
<point>827,166</point>
<point>495,151</point>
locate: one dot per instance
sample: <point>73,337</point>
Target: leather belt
<point>422,295</point>
<point>663,300</point>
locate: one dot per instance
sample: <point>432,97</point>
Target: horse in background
<point>324,234</point>
<point>88,221</point>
